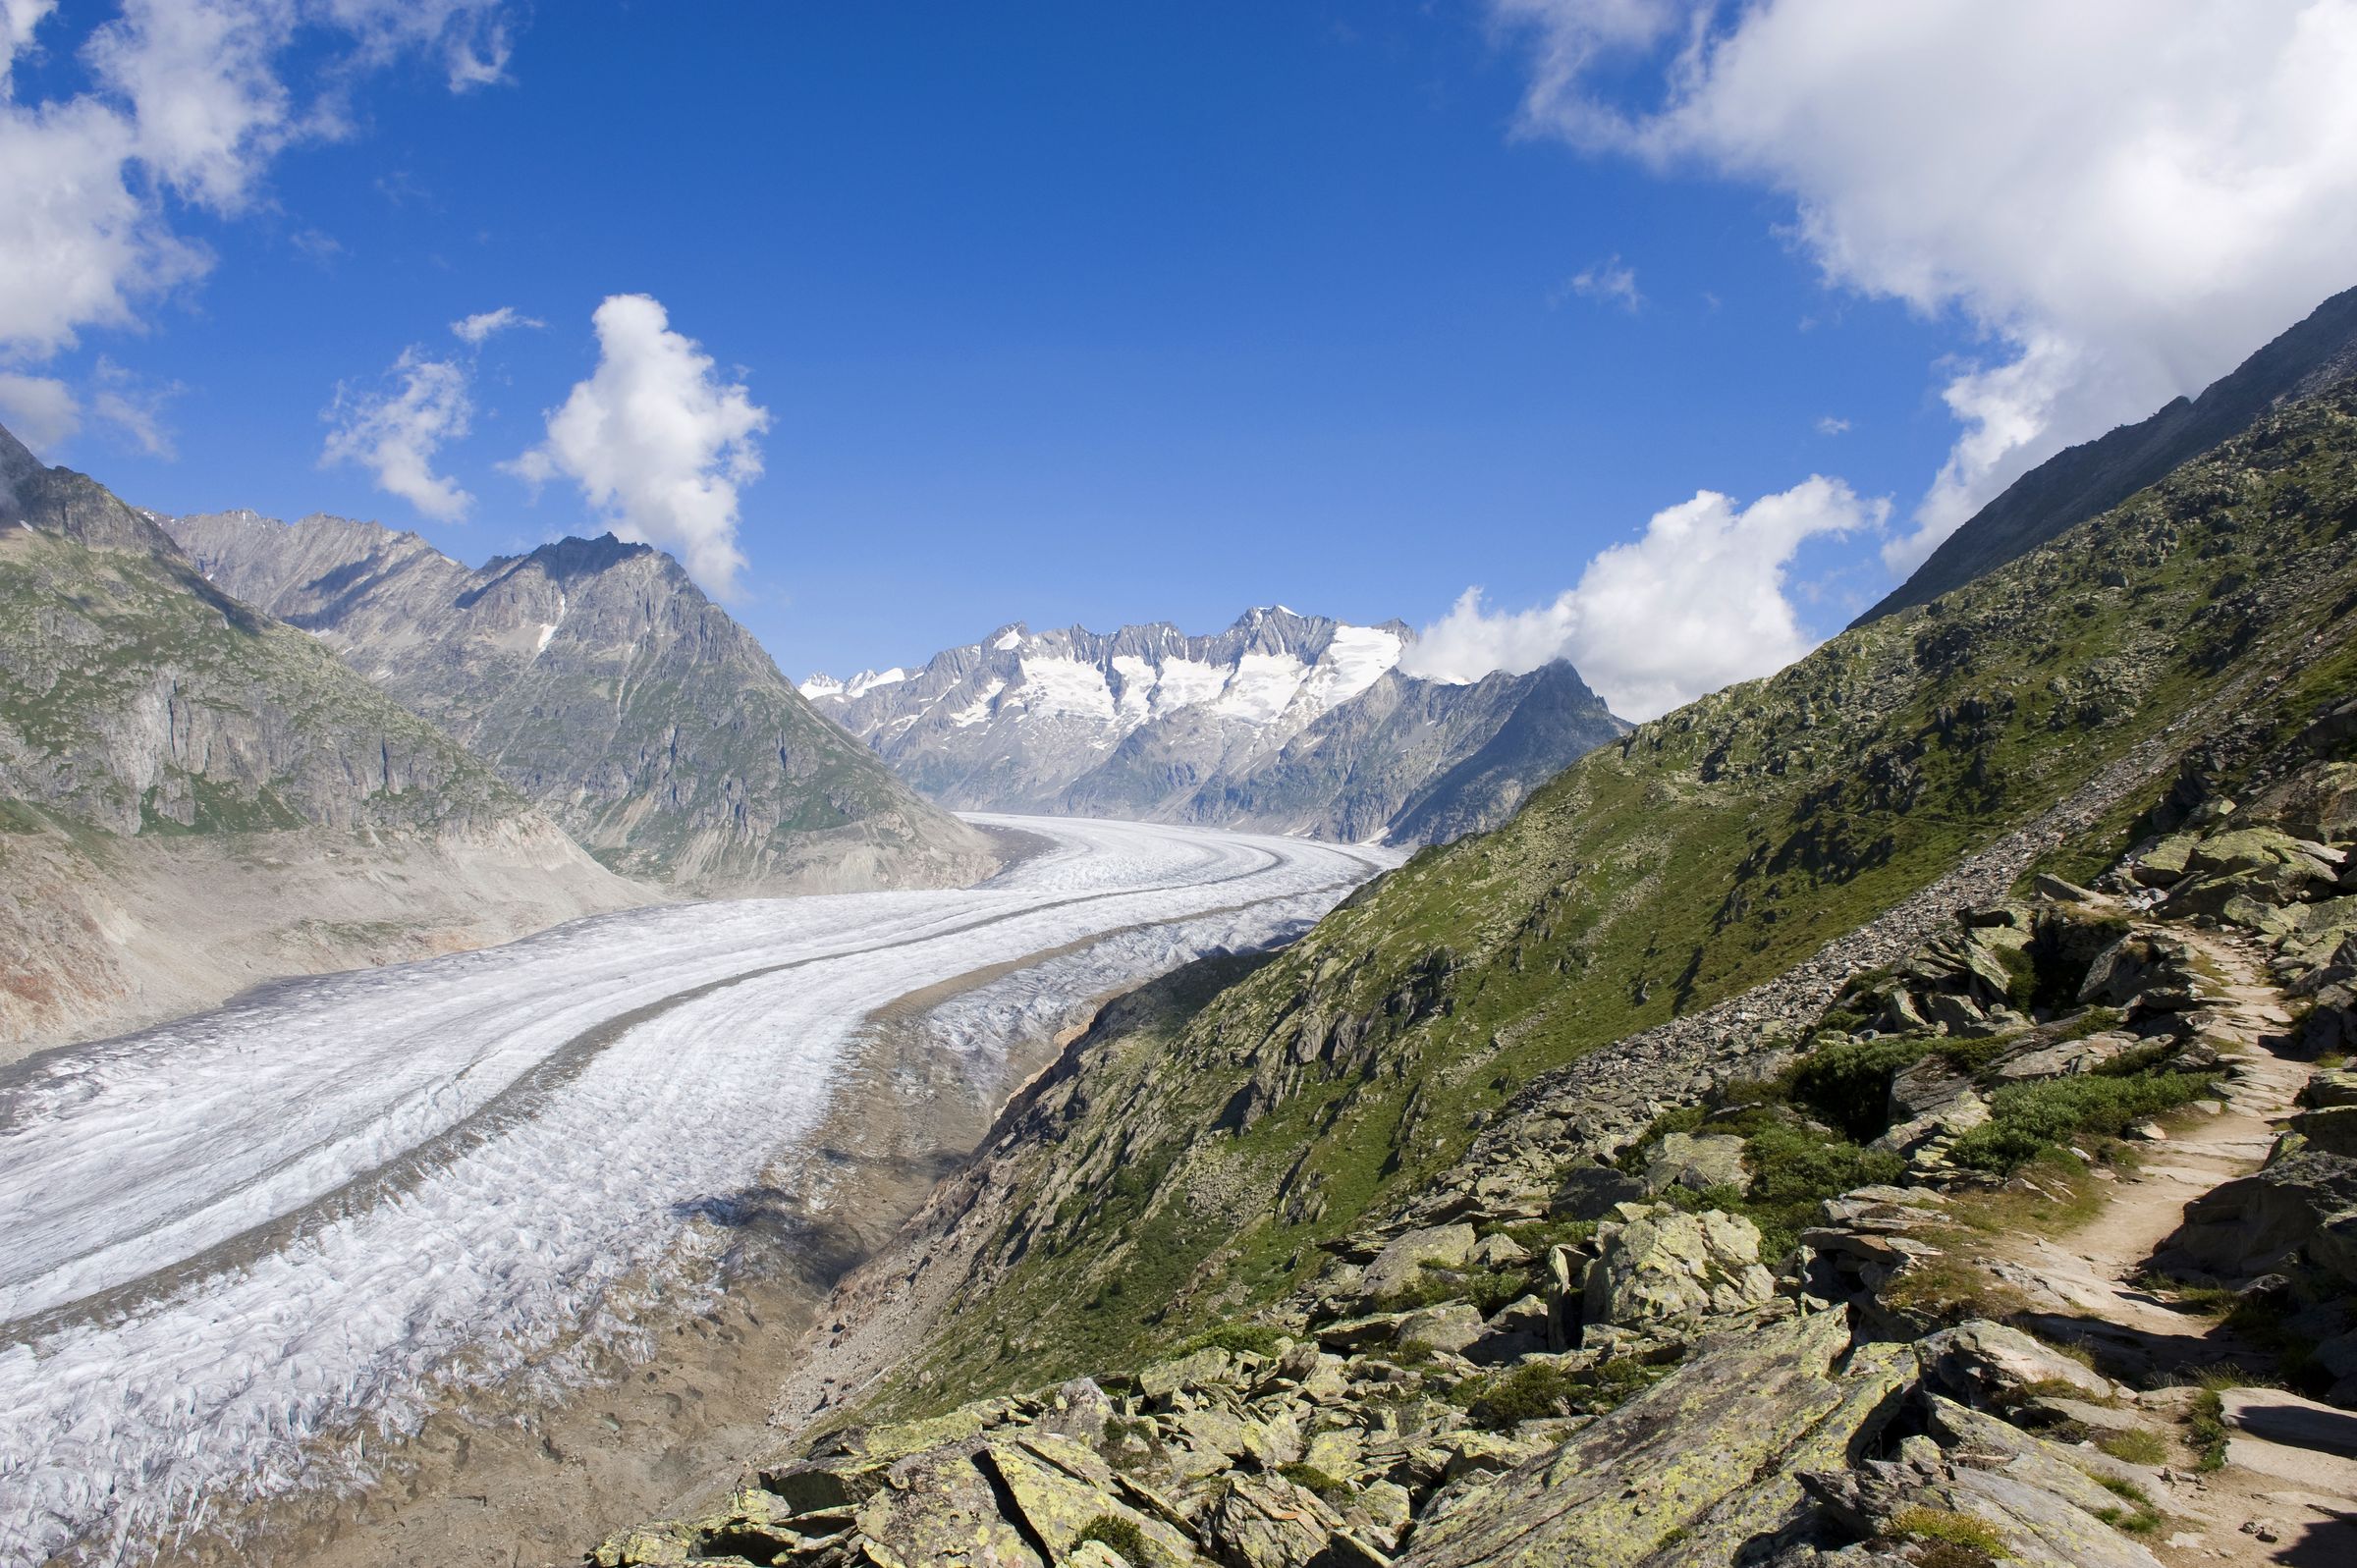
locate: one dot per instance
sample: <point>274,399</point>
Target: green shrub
<point>1949,1529</point>
<point>1795,1171</point>
<point>1310,1478</point>
<point>2206,1429</point>
<point>1238,1339</point>
<point>1487,1288</point>
<point>1124,1536</point>
<point>2135,1446</point>
<point>2139,1517</point>
<point>1538,1390</point>
<point>2025,1119</point>
<point>1850,1085</point>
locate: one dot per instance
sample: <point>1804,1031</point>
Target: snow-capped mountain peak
<point>1257,723</point>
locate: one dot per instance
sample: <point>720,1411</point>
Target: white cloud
<point>394,433</point>
<point>473,330</point>
<point>656,441</point>
<point>1607,283</point>
<point>186,104</point>
<point>1695,604</point>
<point>38,410</point>
<point>1831,425</point>
<point>135,407</point>
<point>2125,197</point>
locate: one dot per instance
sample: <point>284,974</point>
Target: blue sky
<point>1073,312</point>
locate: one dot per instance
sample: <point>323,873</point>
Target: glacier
<point>244,1236</point>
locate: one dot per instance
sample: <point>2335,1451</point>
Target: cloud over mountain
<point>1696,602</point>
<point>2124,196</point>
<point>657,440</point>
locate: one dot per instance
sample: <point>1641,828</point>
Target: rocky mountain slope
<point>1282,723</point>
<point>194,796</point>
<point>1638,1183</point>
<point>2075,484</point>
<point>597,680</point>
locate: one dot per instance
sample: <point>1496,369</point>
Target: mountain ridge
<point>165,747</point>
<point>1281,722</point>
<point>2096,476</point>
<point>602,684</point>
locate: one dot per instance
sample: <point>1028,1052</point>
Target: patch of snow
<point>979,709</point>
<point>1263,687</point>
<point>1353,660</point>
<point>1184,683</point>
<point>867,681</point>
<point>1138,677</point>
<point>821,687</point>
<point>1008,639</point>
<point>1067,686</point>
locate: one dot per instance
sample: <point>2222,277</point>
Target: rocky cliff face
<point>1636,1184</point>
<point>2075,485</point>
<point>599,682</point>
<point>1284,723</point>
<point>152,725</point>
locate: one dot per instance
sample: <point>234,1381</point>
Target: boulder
<point>1990,1365</point>
<point>1209,1365</point>
<point>1657,1264</point>
<point>2333,1086</point>
<point>1268,1522</point>
<point>2046,886</point>
<point>1592,1191</point>
<point>2138,962</point>
<point>2254,1224</point>
<point>2332,1130</point>
<point>1450,1326</point>
<point>2164,864</point>
<point>1697,1163</point>
<point>1496,1252</point>
<point>1637,1479</point>
<point>1396,1267</point>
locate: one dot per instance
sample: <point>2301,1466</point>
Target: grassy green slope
<point>1189,1174</point>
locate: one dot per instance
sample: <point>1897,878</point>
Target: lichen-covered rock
<point>1395,1268</point>
<point>1659,1264</point>
<point>1697,1163</point>
<point>1626,1484</point>
<point>1988,1364</point>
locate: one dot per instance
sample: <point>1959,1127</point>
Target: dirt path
<point>2288,1491</point>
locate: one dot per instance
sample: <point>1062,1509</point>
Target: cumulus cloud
<point>475,329</point>
<point>1696,603</point>
<point>38,410</point>
<point>656,440</point>
<point>395,430</point>
<point>1607,283</point>
<point>1831,425</point>
<point>185,105</point>
<point>2124,197</point>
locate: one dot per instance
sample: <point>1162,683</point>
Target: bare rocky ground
<point>106,939</point>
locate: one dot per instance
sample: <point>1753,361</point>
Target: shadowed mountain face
<point>160,739</point>
<point>1282,723</point>
<point>600,683</point>
<point>2075,484</point>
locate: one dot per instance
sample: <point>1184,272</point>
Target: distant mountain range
<point>1284,723</point>
<point>601,683</point>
